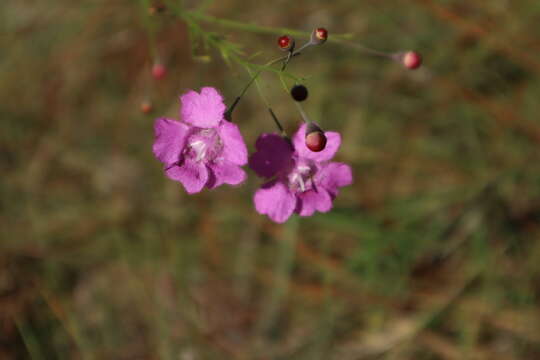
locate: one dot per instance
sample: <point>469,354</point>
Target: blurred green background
<point>432,253</point>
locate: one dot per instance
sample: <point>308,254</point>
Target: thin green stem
<point>149,26</point>
<point>302,112</point>
<point>257,85</point>
<point>276,121</point>
<point>252,80</point>
<point>285,87</point>
<point>272,114</point>
<point>247,27</point>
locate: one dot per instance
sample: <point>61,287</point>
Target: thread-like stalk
<point>231,108</point>
<point>302,113</point>
<point>278,124</point>
<point>342,39</point>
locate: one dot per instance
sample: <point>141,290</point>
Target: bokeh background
<point>432,253</point>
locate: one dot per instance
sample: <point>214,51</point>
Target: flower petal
<point>170,140</point>
<point>204,110</point>
<point>333,141</point>
<point>275,200</point>
<point>312,200</point>
<point>333,176</point>
<point>273,154</point>
<point>225,172</point>
<point>234,148</point>
<point>193,175</point>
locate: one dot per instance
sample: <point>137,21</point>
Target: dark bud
<point>315,138</point>
<point>299,92</point>
<point>286,43</point>
<point>319,36</point>
<point>156,9</point>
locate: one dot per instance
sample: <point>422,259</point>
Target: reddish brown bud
<point>146,107</point>
<point>315,138</point>
<point>159,71</point>
<point>285,42</point>
<point>156,8</point>
<point>411,60</point>
<point>319,36</point>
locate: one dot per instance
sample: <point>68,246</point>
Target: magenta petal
<point>225,172</point>
<point>204,110</point>
<point>333,176</point>
<point>333,141</point>
<point>273,154</point>
<point>312,200</point>
<point>170,140</point>
<point>192,175</point>
<point>275,200</point>
<point>234,148</point>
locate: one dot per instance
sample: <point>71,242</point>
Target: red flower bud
<point>285,42</point>
<point>411,60</point>
<point>146,107</point>
<point>315,138</point>
<point>159,71</point>
<point>319,36</point>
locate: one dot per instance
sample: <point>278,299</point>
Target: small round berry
<point>411,60</point>
<point>316,141</point>
<point>285,42</point>
<point>319,36</point>
<point>146,107</point>
<point>299,92</point>
<point>159,71</point>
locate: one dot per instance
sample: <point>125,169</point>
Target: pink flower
<point>204,149</point>
<point>303,181</point>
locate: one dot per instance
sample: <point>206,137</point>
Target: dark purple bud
<point>299,93</point>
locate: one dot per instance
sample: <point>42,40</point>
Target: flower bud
<point>156,8</point>
<point>299,93</point>
<point>159,70</point>
<point>286,43</point>
<point>411,60</point>
<point>146,107</point>
<point>315,138</point>
<point>319,36</point>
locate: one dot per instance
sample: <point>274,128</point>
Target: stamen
<point>200,148</point>
<point>301,178</point>
<point>304,169</point>
<point>302,185</point>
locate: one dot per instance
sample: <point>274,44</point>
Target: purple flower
<point>302,181</point>
<point>204,149</point>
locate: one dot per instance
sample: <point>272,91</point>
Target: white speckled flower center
<point>301,178</point>
<point>204,145</point>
